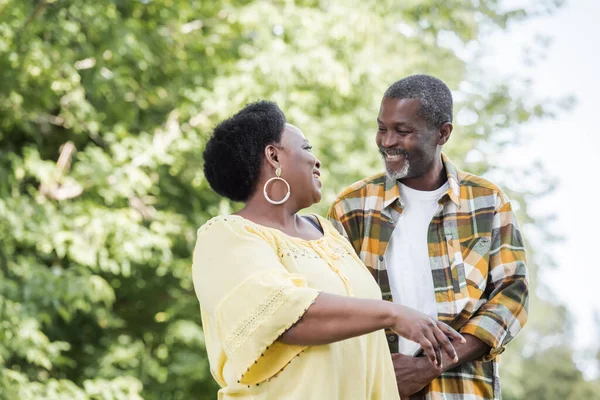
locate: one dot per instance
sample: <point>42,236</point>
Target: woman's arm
<point>333,318</point>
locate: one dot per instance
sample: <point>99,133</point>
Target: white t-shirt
<point>407,257</point>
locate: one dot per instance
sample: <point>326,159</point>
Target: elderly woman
<point>289,311</point>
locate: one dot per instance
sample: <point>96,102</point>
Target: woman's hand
<point>433,336</point>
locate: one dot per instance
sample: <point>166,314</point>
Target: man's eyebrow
<point>396,123</point>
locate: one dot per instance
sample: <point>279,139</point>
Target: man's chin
<point>399,171</point>
<point>397,174</point>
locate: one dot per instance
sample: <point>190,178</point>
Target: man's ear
<point>272,155</point>
<point>444,133</point>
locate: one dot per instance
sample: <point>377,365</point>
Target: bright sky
<point>567,146</point>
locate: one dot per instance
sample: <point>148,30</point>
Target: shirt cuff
<point>477,327</point>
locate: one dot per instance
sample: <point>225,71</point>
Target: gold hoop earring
<point>277,178</point>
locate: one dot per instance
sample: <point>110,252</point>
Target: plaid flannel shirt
<point>477,261</point>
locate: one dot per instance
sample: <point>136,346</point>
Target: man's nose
<point>389,140</point>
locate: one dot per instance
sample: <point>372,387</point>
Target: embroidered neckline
<point>277,231</point>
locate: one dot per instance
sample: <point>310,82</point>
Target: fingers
<point>428,349</point>
<point>445,344</point>
<point>439,358</point>
<point>432,337</point>
<point>437,338</point>
<point>451,333</point>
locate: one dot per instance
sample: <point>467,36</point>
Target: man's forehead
<point>391,103</point>
<point>401,109</point>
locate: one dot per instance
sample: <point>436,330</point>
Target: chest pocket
<point>468,264</point>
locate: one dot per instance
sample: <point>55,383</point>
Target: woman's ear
<point>272,155</point>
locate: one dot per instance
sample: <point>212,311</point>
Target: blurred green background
<point>105,107</point>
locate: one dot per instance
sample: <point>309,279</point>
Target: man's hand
<point>413,373</point>
<point>433,336</point>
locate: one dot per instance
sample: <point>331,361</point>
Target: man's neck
<point>431,180</point>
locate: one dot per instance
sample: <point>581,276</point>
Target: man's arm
<point>414,373</point>
<point>498,321</point>
<point>504,314</point>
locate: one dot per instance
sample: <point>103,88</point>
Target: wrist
<point>391,314</point>
<point>426,368</point>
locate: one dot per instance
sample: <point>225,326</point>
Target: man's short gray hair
<point>435,97</point>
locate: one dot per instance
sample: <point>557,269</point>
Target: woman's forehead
<point>293,134</point>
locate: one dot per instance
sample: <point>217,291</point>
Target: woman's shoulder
<point>230,227</point>
<point>223,223</point>
<point>218,222</point>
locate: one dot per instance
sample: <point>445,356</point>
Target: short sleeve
<point>250,296</point>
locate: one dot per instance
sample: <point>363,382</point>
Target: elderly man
<point>439,240</point>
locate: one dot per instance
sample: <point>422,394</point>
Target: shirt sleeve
<point>251,298</point>
<point>501,318</point>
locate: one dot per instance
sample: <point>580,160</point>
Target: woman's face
<point>299,167</point>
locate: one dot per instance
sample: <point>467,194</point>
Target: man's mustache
<point>392,152</point>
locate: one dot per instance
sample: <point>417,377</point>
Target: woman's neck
<point>257,209</point>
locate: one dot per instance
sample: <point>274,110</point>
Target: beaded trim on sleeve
<point>262,313</point>
<point>279,334</point>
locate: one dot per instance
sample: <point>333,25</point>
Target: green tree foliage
<point>104,109</point>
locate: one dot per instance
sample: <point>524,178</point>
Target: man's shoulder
<point>372,185</point>
<point>480,186</point>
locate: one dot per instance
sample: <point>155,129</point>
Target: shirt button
<point>380,258</point>
<point>391,338</point>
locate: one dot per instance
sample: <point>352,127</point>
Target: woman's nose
<point>317,163</point>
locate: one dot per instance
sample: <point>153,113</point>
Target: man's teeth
<point>393,157</point>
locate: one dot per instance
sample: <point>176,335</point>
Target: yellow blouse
<point>254,283</point>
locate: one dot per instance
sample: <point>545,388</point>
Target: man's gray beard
<point>397,175</point>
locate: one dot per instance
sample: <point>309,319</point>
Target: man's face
<point>408,146</point>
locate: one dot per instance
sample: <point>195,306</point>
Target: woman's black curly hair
<point>233,154</point>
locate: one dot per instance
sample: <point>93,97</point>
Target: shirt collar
<point>452,175</point>
<point>392,192</point>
